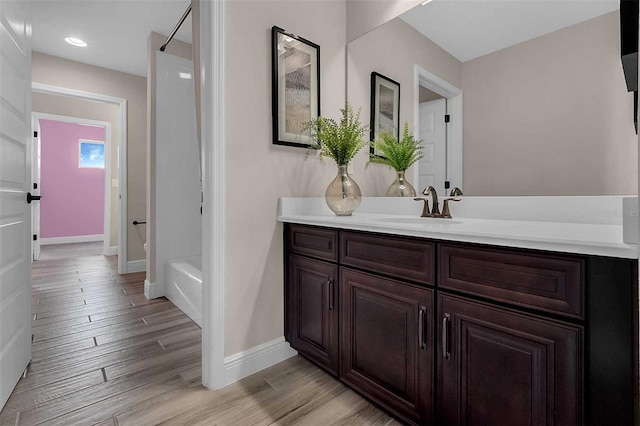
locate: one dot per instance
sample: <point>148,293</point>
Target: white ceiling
<point>116,31</point>
<point>468,29</point>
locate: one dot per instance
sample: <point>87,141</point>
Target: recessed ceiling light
<point>426,2</point>
<point>185,75</point>
<point>75,42</point>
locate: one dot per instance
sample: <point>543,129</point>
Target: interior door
<point>15,183</point>
<point>35,207</point>
<point>432,168</point>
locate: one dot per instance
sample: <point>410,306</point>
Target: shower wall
<point>178,222</point>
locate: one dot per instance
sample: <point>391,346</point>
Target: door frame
<point>122,159</point>
<point>106,246</point>
<point>453,94</point>
<point>213,188</point>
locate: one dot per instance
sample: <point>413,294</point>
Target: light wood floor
<point>63,251</point>
<point>104,354</point>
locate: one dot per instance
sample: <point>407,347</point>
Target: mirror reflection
<point>534,91</point>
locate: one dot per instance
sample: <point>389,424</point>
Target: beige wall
<point>551,116</point>
<point>257,172</point>
<point>177,48</point>
<point>74,75</point>
<point>78,108</point>
<point>392,50</point>
<point>365,15</point>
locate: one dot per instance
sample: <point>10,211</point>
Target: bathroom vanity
<point>439,329</point>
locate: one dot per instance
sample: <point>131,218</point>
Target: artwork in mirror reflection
<point>385,106</point>
<point>545,108</point>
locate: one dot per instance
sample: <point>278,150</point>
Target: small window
<point>91,154</point>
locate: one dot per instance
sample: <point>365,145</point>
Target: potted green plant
<point>340,141</point>
<point>399,155</point>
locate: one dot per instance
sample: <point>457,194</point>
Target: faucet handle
<point>425,207</point>
<point>456,192</point>
<point>446,213</point>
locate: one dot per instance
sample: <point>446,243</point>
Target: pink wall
<point>72,197</point>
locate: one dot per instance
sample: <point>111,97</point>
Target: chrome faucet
<point>435,211</point>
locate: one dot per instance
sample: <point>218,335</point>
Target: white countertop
<point>580,238</point>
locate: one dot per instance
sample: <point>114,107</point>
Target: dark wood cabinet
<point>313,311</point>
<point>387,343</point>
<point>543,282</point>
<point>451,333</point>
<point>498,366</point>
<point>403,258</point>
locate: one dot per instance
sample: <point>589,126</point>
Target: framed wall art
<point>385,106</point>
<point>295,87</point>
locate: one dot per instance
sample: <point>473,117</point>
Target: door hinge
<point>35,134</point>
<point>35,185</point>
<point>35,237</point>
<point>447,184</point>
<point>447,118</point>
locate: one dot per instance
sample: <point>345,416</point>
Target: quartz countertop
<point>565,237</point>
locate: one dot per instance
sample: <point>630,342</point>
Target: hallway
<point>99,345</point>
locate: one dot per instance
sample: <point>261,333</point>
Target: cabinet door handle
<point>421,327</point>
<point>446,321</point>
<point>330,293</point>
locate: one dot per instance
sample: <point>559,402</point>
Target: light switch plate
<point>114,183</point>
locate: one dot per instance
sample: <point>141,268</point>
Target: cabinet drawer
<point>397,257</point>
<point>547,283</point>
<point>312,241</point>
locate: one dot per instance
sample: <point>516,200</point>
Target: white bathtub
<point>184,286</point>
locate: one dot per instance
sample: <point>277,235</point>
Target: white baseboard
<point>70,240</point>
<point>153,290</point>
<point>136,266</point>
<point>258,358</point>
<point>111,251</point>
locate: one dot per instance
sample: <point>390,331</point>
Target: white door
<point>35,207</point>
<point>432,168</point>
<point>15,182</point>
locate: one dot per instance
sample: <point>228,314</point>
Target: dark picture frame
<point>385,107</point>
<point>295,87</point>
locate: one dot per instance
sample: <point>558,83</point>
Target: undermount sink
<point>418,220</point>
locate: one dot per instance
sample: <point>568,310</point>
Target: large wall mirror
<point>535,91</point>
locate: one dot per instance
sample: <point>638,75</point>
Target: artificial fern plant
<point>339,141</point>
<point>399,155</point>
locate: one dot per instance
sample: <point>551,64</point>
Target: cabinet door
<point>313,311</point>
<point>387,351</point>
<point>501,367</point>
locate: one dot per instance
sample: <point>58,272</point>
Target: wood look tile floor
<point>104,354</point>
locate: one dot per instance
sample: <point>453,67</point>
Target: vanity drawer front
<point>397,257</point>
<point>312,241</point>
<point>547,283</point>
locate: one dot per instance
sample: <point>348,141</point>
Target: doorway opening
<point>116,181</point>
<point>72,172</point>
<point>438,118</point>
